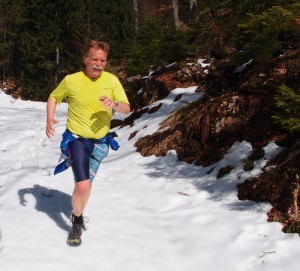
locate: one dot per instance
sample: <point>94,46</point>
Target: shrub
<point>259,37</point>
<point>288,109</point>
<point>155,44</point>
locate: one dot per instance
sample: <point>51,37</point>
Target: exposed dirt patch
<point>279,185</point>
<point>10,87</point>
<point>204,130</point>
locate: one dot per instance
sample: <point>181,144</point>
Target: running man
<point>91,95</point>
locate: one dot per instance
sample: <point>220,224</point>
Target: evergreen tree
<point>42,41</point>
<point>38,43</point>
<point>54,33</point>
<point>288,108</point>
<point>10,17</point>
<point>260,36</point>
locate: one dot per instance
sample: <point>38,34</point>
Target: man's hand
<point>107,102</point>
<point>51,106</point>
<point>50,130</point>
<point>120,107</point>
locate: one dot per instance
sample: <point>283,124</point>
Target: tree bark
<point>136,15</point>
<point>175,12</point>
<point>57,66</point>
<point>193,11</point>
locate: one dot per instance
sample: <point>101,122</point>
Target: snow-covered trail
<point>145,214</point>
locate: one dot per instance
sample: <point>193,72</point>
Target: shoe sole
<point>74,242</point>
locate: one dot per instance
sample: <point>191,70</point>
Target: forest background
<point>42,41</point>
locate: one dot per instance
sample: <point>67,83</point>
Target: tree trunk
<point>57,66</point>
<point>193,16</point>
<point>175,12</point>
<point>136,15</point>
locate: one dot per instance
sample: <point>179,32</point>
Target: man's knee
<point>83,186</point>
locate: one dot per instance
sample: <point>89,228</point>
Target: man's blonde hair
<point>101,45</point>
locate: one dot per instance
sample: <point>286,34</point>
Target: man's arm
<point>119,107</point>
<point>51,106</point>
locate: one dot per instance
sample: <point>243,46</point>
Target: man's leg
<point>80,152</point>
<point>80,196</point>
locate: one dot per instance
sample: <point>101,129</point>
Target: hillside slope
<point>237,105</point>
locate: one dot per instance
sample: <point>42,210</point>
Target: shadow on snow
<point>54,203</point>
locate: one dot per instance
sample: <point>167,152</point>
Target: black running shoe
<point>74,238</point>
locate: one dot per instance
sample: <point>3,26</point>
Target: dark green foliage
<point>248,164</point>
<point>42,41</point>
<point>288,109</point>
<point>252,6</point>
<point>259,37</point>
<point>10,17</point>
<point>38,37</point>
<point>156,44</point>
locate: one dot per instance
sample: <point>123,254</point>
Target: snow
<point>145,213</point>
<point>243,67</point>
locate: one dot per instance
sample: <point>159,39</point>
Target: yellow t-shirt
<point>87,116</point>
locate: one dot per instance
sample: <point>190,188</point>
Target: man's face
<point>95,62</point>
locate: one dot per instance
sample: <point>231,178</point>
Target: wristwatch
<point>116,104</point>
